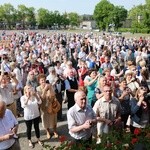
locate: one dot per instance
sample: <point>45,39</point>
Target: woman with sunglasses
<point>140,109</point>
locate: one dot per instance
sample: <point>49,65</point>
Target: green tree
<point>74,19</point>
<point>87,17</point>
<point>146,14</point>
<point>147,3</point>
<point>136,11</point>
<point>31,20</point>
<point>119,14</point>
<point>65,20</point>
<point>103,14</point>
<point>7,12</point>
<point>43,17</point>
<point>23,14</point>
<point>139,17</point>
<point>57,18</point>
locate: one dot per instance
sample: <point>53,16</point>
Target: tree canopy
<point>106,13</point>
<point>140,16</point>
<point>28,16</point>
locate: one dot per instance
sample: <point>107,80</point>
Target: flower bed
<point>113,141</point>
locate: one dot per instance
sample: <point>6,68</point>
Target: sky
<point>79,6</point>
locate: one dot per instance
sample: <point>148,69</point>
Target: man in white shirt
<point>7,92</point>
<point>82,54</point>
<point>8,129</point>
<point>81,120</point>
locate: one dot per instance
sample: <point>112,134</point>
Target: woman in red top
<point>82,72</point>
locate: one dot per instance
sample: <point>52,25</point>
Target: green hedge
<point>134,30</point>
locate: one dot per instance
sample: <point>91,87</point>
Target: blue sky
<point>79,6</point>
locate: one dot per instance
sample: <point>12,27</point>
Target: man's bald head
<point>77,94</point>
<point>80,99</point>
<point>2,108</point>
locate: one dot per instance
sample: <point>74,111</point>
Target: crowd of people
<point>102,78</point>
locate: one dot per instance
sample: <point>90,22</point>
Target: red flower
<point>137,131</point>
<point>134,140</point>
<point>109,145</point>
<point>62,138</point>
<point>118,142</point>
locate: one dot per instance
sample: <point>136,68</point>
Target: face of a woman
<point>123,84</point>
<point>42,81</point>
<point>93,74</point>
<point>5,80</point>
<point>103,81</point>
<point>83,65</point>
<point>107,73</point>
<point>31,75</point>
<point>142,91</point>
<point>69,66</point>
<point>134,71</point>
<point>28,89</point>
<point>129,77</point>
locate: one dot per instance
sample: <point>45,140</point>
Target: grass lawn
<point>81,31</point>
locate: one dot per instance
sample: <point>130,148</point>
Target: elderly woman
<point>69,68</point>
<point>131,81</point>
<point>102,81</point>
<point>140,109</point>
<point>52,77</point>
<point>32,80</point>
<point>30,103</point>
<point>47,95</point>
<point>58,86</point>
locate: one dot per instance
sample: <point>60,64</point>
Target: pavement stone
<point>62,129</point>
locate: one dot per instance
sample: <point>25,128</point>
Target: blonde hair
<point>142,63</point>
<point>100,81</point>
<point>25,88</point>
<point>131,67</point>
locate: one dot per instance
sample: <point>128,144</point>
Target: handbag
<point>53,107</point>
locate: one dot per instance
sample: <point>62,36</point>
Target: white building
<point>88,25</point>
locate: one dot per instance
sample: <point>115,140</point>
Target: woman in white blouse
<point>29,102</point>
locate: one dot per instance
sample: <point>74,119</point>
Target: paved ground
<point>62,130</point>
